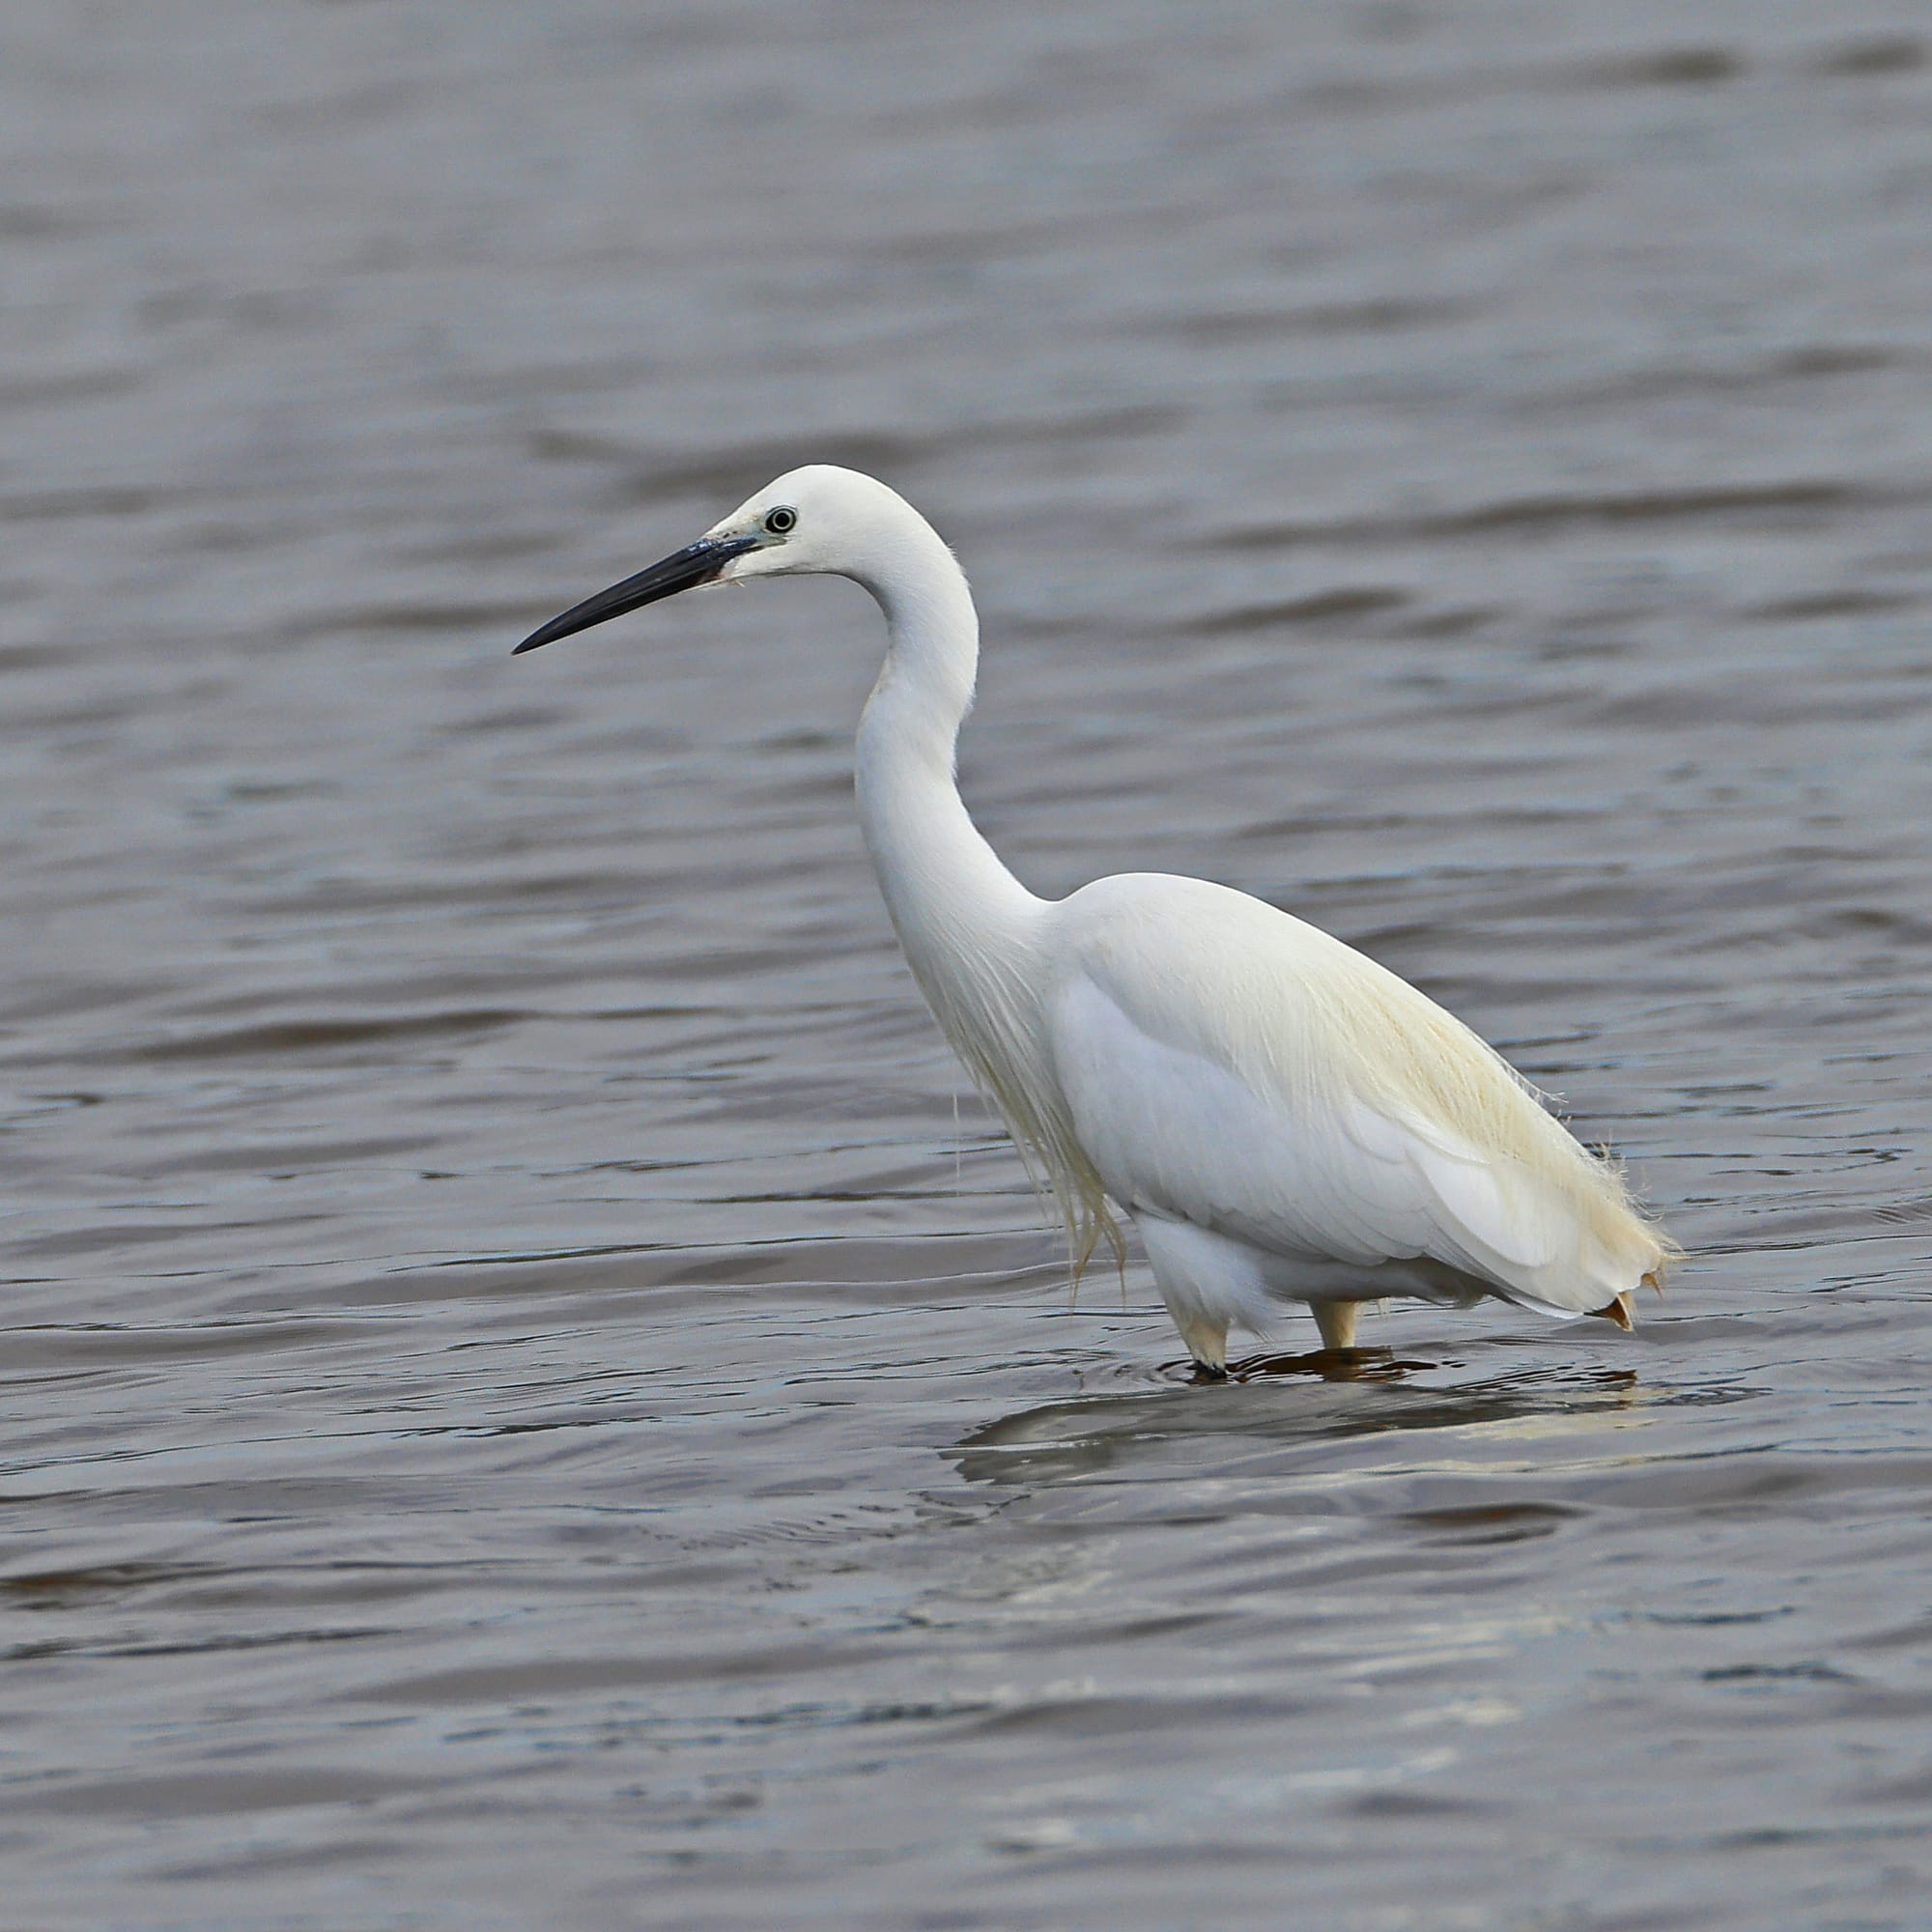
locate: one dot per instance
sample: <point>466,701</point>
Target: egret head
<point>817,519</point>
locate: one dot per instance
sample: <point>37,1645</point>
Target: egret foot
<point>1618,1310</point>
<point>1336,1321</point>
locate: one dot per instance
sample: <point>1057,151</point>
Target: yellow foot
<point>1618,1310</point>
<point>1336,1321</point>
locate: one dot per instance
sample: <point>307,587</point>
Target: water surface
<point>536,1398</point>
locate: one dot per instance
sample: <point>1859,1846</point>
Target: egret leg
<point>1336,1321</point>
<point>1207,1341</point>
<point>1209,1284</point>
<point>1617,1310</point>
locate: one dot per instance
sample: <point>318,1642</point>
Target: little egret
<point>1282,1119</point>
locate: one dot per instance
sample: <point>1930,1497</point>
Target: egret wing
<point>1229,1065</point>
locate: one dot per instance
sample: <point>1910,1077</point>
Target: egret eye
<point>780,522</point>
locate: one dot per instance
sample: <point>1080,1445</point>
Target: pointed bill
<point>694,564</point>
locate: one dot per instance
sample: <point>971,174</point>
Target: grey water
<point>535,1395</point>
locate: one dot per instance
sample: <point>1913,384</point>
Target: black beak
<point>694,564</point>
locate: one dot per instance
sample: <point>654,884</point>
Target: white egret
<point>1282,1119</point>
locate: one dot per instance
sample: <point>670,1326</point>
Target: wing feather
<point>1227,1064</point>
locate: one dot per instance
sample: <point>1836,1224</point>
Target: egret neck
<point>948,892</point>
<point>972,933</point>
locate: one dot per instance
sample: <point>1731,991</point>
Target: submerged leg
<point>1336,1321</point>
<point>1209,1284</point>
<point>1206,1343</point>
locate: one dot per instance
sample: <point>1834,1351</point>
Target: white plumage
<point>1282,1119</point>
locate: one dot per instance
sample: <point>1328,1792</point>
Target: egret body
<point>1282,1119</point>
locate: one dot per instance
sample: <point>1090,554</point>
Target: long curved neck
<point>973,934</point>
<point>949,896</point>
